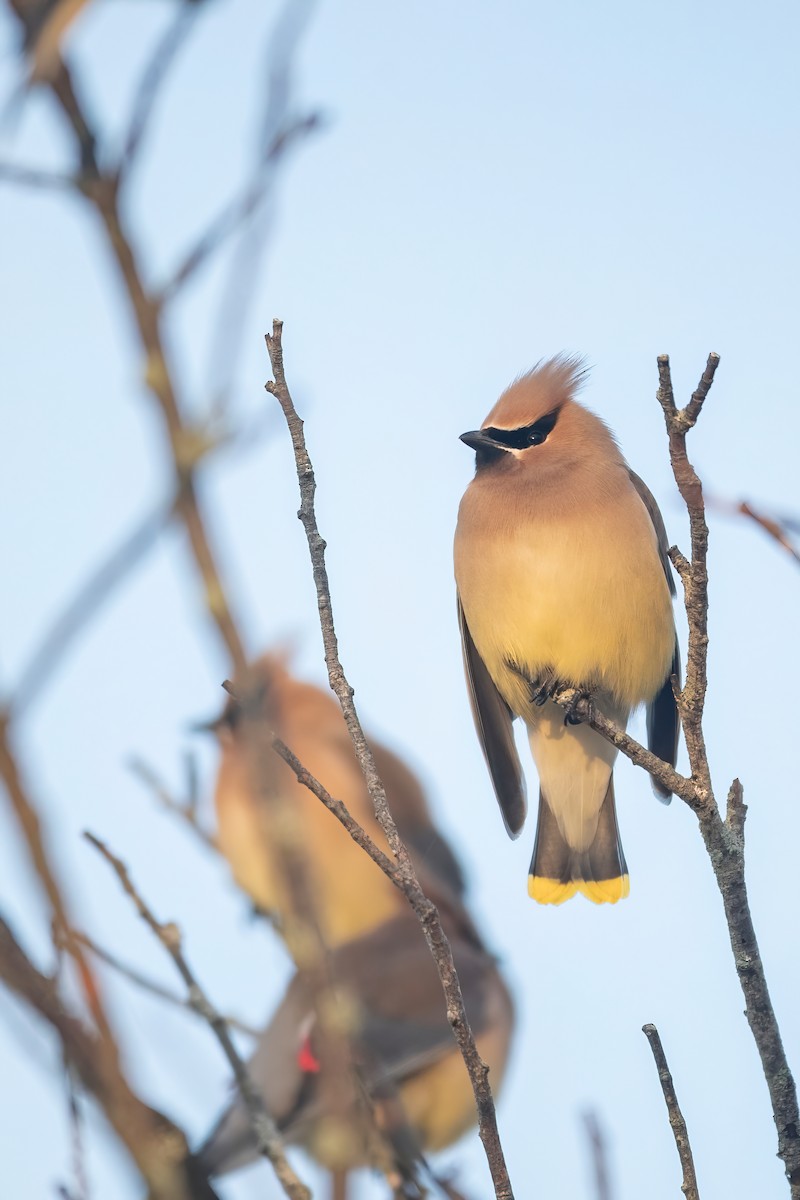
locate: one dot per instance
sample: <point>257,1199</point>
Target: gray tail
<point>558,872</point>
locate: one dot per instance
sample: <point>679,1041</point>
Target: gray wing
<point>663,722</point>
<point>494,723</point>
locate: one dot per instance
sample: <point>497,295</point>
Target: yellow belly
<point>594,611</point>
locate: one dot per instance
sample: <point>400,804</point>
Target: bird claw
<point>542,689</point>
<point>571,717</point>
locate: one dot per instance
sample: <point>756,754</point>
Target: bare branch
<point>103,191</point>
<point>31,829</point>
<point>598,1152</point>
<point>725,840</point>
<point>146,984</point>
<point>267,1138</point>
<point>153,78</point>
<point>581,706</point>
<point>155,1144</point>
<point>185,810</point>
<point>678,422</point>
<point>778,527</point>
<point>237,212</point>
<point>425,910</point>
<point>32,177</point>
<point>93,593</point>
<point>689,1185</point>
<point>76,1131</point>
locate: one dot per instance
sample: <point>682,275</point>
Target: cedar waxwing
<point>353,895</point>
<point>563,579</point>
<point>416,1091</point>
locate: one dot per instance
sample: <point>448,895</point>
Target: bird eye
<point>527,435</point>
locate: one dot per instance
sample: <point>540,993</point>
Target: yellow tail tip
<point>553,891</point>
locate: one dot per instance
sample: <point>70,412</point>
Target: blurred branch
<point>723,838</point>
<point>689,1185</point>
<point>150,985</point>
<point>22,176</point>
<point>76,1131</point>
<point>186,810</point>
<point>155,1144</point>
<point>31,829</point>
<point>85,604</point>
<point>267,1138</point>
<point>154,75</point>
<point>779,528</point>
<point>236,213</point>
<point>102,191</point>
<point>598,1151</point>
<point>424,909</point>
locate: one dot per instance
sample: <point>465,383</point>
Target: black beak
<point>476,439</point>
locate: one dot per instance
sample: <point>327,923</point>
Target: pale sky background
<point>493,184</point>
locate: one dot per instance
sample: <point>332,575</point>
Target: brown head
<point>537,427</point>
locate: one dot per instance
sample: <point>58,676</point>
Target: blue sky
<point>492,185</point>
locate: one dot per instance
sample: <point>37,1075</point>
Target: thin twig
<point>22,176</point>
<point>236,212</point>
<point>103,193</point>
<point>185,810</point>
<point>598,1152</point>
<point>266,1135</point>
<point>584,708</point>
<point>779,528</point>
<point>155,1144</point>
<point>424,909</point>
<point>76,1130</point>
<point>154,76</point>
<point>724,839</point>
<point>27,817</point>
<point>146,984</point>
<point>680,1133</point>
<point>93,593</point>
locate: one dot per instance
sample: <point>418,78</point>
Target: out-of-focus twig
<point>146,984</point>
<point>186,810</point>
<point>778,527</point>
<point>266,1135</point>
<point>689,1185</point>
<point>155,73</point>
<point>76,1129</point>
<point>93,593</point>
<point>102,190</point>
<point>598,1154</point>
<point>31,828</point>
<point>236,213</point>
<point>424,909</point>
<point>45,35</point>
<point>155,1144</point>
<point>32,177</point>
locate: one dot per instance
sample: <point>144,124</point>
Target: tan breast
<point>581,593</point>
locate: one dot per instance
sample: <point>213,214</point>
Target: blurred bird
<point>563,579</point>
<point>353,894</point>
<point>417,1096</point>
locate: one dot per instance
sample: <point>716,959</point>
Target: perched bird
<point>563,580</point>
<point>353,895</point>
<point>416,1093</point>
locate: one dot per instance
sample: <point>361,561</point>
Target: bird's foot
<point>571,702</point>
<point>542,688</point>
